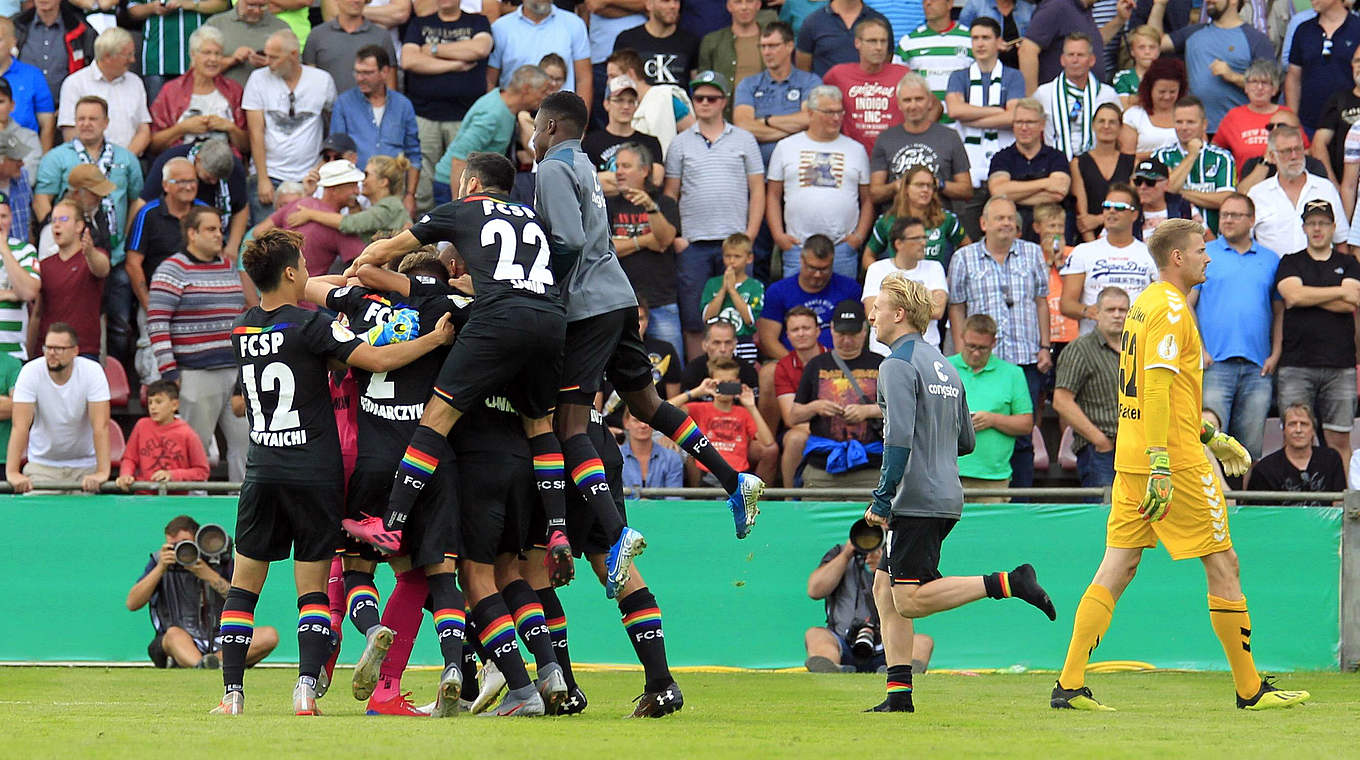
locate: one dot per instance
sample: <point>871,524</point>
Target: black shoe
<point>1075,699</point>
<point>575,704</point>
<point>819,664</point>
<point>1024,585</point>
<point>654,704</point>
<point>885,707</point>
<point>210,661</point>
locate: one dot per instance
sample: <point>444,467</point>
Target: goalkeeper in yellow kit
<point>1165,487</point>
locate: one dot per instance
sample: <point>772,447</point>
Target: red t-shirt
<point>870,100</point>
<point>1243,131</point>
<point>730,432</point>
<point>71,294</point>
<point>321,244</point>
<point>788,371</point>
<point>174,447</point>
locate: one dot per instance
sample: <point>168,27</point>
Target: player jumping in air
<point>293,488</point>
<point>602,337</point>
<point>926,427</point>
<point>1165,487</point>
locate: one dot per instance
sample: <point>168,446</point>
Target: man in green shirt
<point>19,286</point>
<point>999,399</point>
<point>9,373</point>
<point>489,125</point>
<point>1201,172</point>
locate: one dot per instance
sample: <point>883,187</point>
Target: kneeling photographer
<point>850,640</point>
<point>186,582</point>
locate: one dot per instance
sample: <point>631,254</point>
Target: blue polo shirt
<point>771,98</point>
<point>1234,308</point>
<point>519,41</point>
<point>32,96</point>
<point>826,37</point>
<point>1047,161</point>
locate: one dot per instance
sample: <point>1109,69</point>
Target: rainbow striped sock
<point>427,449</point>
<point>450,623</point>
<point>496,630</point>
<point>636,623</point>
<point>361,600</point>
<point>687,435</point>
<point>314,614</point>
<point>587,474</point>
<point>895,687</point>
<point>899,686</point>
<point>642,621</point>
<point>997,585</point>
<point>499,632</point>
<point>549,467</point>
<point>313,633</point>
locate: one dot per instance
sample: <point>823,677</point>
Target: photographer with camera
<point>186,582</point>
<point>850,641</point>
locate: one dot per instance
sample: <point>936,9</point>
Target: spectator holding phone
<point>739,433</point>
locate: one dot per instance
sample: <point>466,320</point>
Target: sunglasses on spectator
<point>709,98</point>
<point>1145,181</point>
<point>1116,206</point>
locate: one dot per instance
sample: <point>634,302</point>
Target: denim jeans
<point>663,323</point>
<point>119,307</point>
<point>441,192</point>
<point>1235,390</point>
<point>700,261</point>
<point>846,262</point>
<point>1095,469</point>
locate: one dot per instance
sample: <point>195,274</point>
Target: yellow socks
<point>1092,620</point>
<point>1232,624</point>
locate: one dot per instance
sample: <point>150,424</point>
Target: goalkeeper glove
<point>1232,454</point>
<point>403,325</point>
<point>1157,499</point>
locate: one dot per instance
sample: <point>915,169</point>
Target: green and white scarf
<point>982,143</point>
<point>223,191</point>
<point>105,164</point>
<point>1069,104</point>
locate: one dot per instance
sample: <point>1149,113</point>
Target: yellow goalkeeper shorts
<point>1195,525</point>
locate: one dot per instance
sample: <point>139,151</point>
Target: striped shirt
<point>14,314</point>
<point>165,44</point>
<point>191,309</point>
<point>1089,368</point>
<point>1214,170</point>
<point>1005,291</point>
<point>935,55</point>
<point>714,195</point>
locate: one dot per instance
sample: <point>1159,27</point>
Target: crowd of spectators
<point>765,165</point>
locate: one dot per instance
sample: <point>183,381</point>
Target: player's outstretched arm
<point>380,252</point>
<point>1232,454</point>
<point>398,355</point>
<point>384,280</point>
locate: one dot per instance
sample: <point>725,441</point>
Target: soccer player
<point>919,499</point>
<point>1164,485</point>
<point>512,344</point>
<point>293,486</point>
<point>602,337</point>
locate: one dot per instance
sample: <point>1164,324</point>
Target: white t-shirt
<point>209,104</point>
<point>928,273</point>
<point>821,184</point>
<point>1150,136</point>
<point>61,435</point>
<point>291,144</point>
<point>1130,268</point>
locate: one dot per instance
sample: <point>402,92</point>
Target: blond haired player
<point>1164,485</point>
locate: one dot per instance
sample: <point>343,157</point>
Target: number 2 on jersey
<point>501,232</point>
<point>276,376</point>
<point>1128,365</point>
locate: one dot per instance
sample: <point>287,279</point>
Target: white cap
<point>339,172</point>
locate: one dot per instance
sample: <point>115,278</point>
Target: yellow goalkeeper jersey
<point>1160,332</point>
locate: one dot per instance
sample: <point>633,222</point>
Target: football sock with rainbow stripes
<point>496,629</point>
<point>314,634</point>
<point>237,630</point>
<point>1232,625</point>
<point>997,585</point>
<point>361,599</point>
<point>556,619</point>
<point>587,473</point>
<point>679,427</point>
<point>899,687</point>
<point>529,620</point>
<point>450,618</point>
<point>549,472</point>
<point>642,621</point>
<point>428,448</point>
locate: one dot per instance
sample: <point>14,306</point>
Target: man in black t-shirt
<point>643,226</point>
<point>293,486</point>
<point>601,145</point>
<point>1300,465</point>
<point>1321,290</point>
<point>1341,111</point>
<point>669,54</point>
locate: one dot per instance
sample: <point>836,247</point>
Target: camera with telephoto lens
<point>865,537</point>
<point>210,544</point>
<point>863,639</point>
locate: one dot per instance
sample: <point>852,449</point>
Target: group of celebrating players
<point>480,505</point>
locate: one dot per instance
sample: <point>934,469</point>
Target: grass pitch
<point>141,713</point>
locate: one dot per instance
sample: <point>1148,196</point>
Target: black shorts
<point>366,495</point>
<point>431,533</point>
<point>517,352</point>
<point>497,496</point>
<point>162,659</point>
<point>271,518</point>
<point>605,345</point>
<point>911,552</point>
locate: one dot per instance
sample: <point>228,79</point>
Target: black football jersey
<point>503,246</point>
<point>282,357</point>
<point>390,403</point>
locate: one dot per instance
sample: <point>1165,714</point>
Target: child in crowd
<point>739,433</point>
<point>735,297</point>
<point>162,447</point>
<point>1050,223</point>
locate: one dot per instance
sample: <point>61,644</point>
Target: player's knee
<point>904,601</point>
<point>265,638</point>
<point>176,635</point>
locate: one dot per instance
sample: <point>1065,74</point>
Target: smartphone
<point>730,388</point>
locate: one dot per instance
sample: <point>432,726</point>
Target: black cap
<point>848,317</point>
<point>340,143</point>
<point>1151,169</point>
<point>1316,207</point>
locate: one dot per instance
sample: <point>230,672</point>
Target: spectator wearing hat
<point>718,48</point>
<point>770,105</point>
<point>20,284</point>
<point>245,30</point>
<point>322,245</point>
<point>1321,290</point>
<point>1156,204</point>
<point>381,120</point>
<point>111,80</point>
<point>825,39</point>
<point>669,53</point>
<point>53,36</point>
<point>332,45</point>
<point>869,85</point>
<point>838,398</point>
<point>16,183</point>
<point>383,188</point>
<point>663,111</point>
<point>88,188</point>
<point>1000,402</point>
<point>601,144</point>
<point>73,278</point>
<point>284,106</point>
<point>715,171</point>
<point>444,55</point>
<point>537,25</point>
<point>204,103</point>
<point>1281,199</point>
<point>818,182</point>
<point>33,107</point>
<point>221,184</point>
<point>489,125</point>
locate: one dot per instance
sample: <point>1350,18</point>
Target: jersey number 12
<point>276,376</point>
